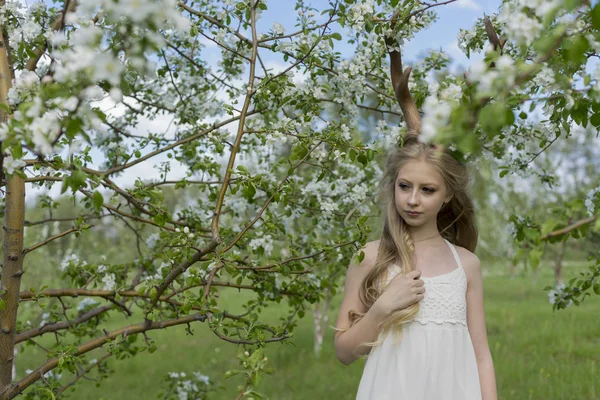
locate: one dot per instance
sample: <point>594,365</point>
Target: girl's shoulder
<point>370,250</point>
<point>470,262</point>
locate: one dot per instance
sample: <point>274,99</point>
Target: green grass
<point>538,353</point>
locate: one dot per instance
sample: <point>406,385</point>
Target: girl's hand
<point>401,292</point>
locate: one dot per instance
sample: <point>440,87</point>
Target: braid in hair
<point>410,244</point>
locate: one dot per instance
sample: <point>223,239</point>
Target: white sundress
<point>434,359</point>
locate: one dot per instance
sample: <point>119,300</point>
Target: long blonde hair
<point>455,220</point>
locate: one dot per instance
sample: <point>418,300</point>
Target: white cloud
<point>470,4</point>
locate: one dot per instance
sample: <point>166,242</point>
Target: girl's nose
<point>413,199</point>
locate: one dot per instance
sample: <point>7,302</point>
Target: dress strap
<point>454,252</point>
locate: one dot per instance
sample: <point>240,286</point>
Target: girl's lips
<point>413,214</point>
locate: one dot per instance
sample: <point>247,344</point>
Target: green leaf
<point>531,234</point>
<point>595,120</point>
<point>336,36</point>
<point>570,5</point>
<point>579,112</point>
<point>249,191</point>
<point>597,225</point>
<point>77,180</point>
<point>576,49</point>
<point>98,199</point>
<point>362,158</point>
<point>535,256</point>
<point>352,154</point>
<point>73,127</point>
<point>597,288</point>
<point>548,226</point>
<point>596,16</point>
<point>243,169</point>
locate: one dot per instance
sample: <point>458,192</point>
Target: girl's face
<point>420,188</point>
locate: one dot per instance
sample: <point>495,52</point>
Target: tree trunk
<point>512,272</point>
<point>321,317</point>
<point>12,270</point>
<point>558,263</point>
<point>14,214</point>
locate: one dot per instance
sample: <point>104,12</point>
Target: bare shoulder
<point>470,262</point>
<point>370,249</point>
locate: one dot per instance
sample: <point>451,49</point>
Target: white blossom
<point>345,132</point>
<point>541,7</point>
<point>452,92</point>
<point>158,274</point>
<point>4,129</point>
<point>70,104</point>
<point>519,26</point>
<point>44,320</point>
<point>266,242</point>
<point>545,78</point>
<point>358,12</point>
<point>67,260</point>
<point>592,198</point>
<point>10,164</point>
<point>558,293</point>
<point>278,29</point>
<point>107,67</point>
<point>464,38</point>
<point>201,378</point>
<point>23,87</point>
<point>88,301</point>
<point>505,64</point>
<point>116,94</point>
<point>152,239</point>
<point>56,38</point>
<point>436,115</point>
<point>109,281</point>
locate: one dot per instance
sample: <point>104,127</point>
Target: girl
<point>422,283</point>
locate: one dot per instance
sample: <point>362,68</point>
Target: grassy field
<point>538,353</point>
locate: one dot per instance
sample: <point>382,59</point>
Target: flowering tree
<point>274,155</point>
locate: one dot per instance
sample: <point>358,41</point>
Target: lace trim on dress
<point>424,321</point>
<point>445,295</point>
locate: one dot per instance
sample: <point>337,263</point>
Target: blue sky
<point>442,34</point>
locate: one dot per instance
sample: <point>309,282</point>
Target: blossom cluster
<point>194,388</point>
<point>359,12</point>
<point>592,201</point>
<point>79,61</point>
<point>109,279</point>
<point>264,241</point>
<point>488,79</point>
<point>437,108</point>
<point>520,25</point>
<point>558,294</point>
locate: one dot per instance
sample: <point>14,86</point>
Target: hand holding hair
<point>401,292</point>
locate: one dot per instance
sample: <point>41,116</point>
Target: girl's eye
<point>429,190</point>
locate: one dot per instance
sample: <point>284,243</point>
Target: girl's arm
<point>477,328</point>
<point>347,344</point>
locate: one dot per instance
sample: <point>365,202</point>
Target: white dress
<point>434,359</point>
